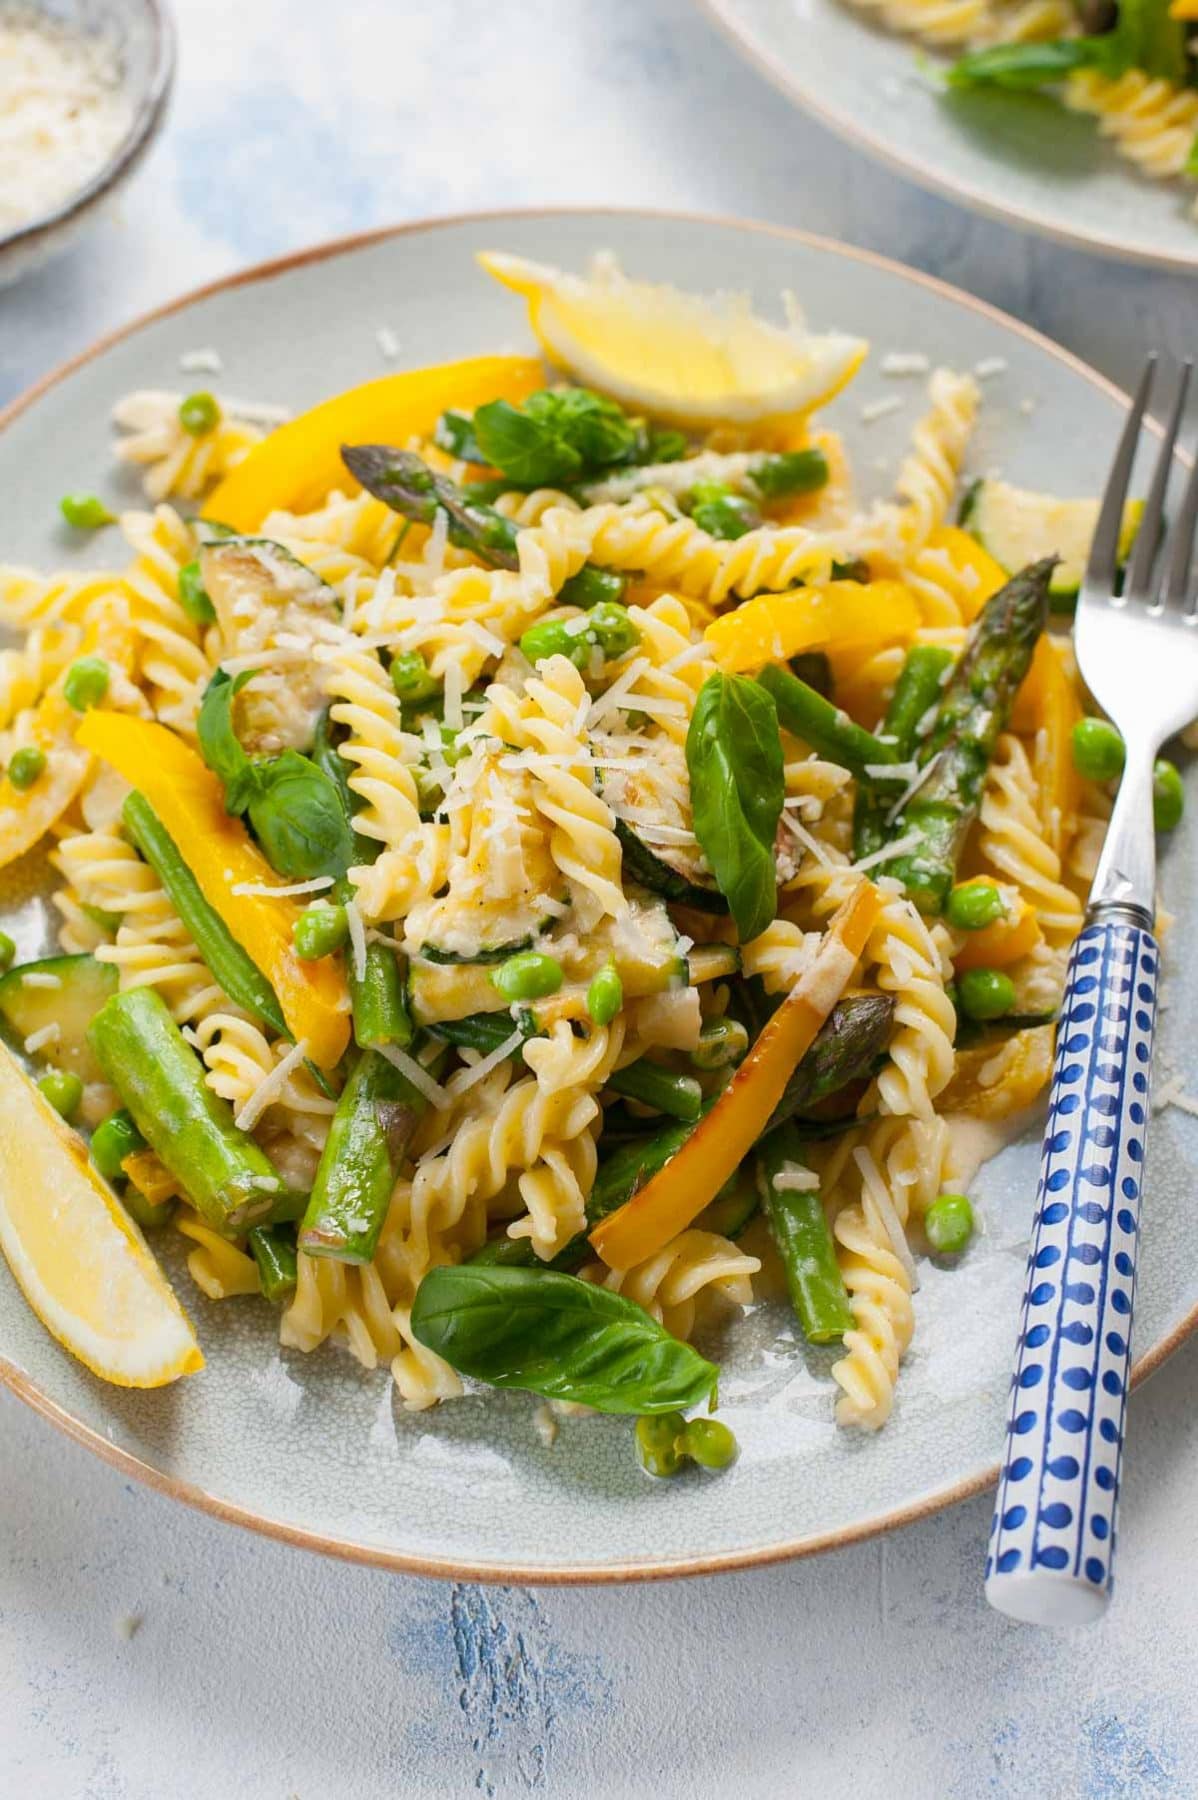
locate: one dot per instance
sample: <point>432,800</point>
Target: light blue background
<point>258,1673</point>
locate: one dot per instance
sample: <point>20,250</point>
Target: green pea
<point>1168,795</point>
<point>63,1090</point>
<point>721,1042</point>
<point>25,765</point>
<point>529,975</point>
<point>657,1443</point>
<point>7,950</point>
<point>985,993</point>
<point>1098,750</point>
<point>199,414</point>
<point>115,1138</point>
<point>611,627</point>
<point>710,1443</point>
<point>319,931</point>
<point>717,510</point>
<point>85,512</point>
<point>948,1223</point>
<point>605,996</point>
<point>549,638</point>
<point>973,905</point>
<point>591,585</point>
<point>411,678</point>
<point>193,595</point>
<point>146,1213</point>
<point>85,683</point>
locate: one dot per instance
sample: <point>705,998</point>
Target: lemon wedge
<point>692,360</point>
<point>82,1265</point>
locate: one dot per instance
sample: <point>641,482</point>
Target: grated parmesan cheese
<point>879,1194</point>
<point>357,937</point>
<point>792,1178</point>
<point>419,1077</point>
<point>990,365</point>
<point>270,1087</point>
<point>36,980</point>
<point>265,890</point>
<point>479,1070</point>
<point>387,342</point>
<point>37,1040</point>
<point>874,410</point>
<point>63,112</point>
<point>454,677</point>
<point>201,362</point>
<point>910,841</point>
<point>905,362</point>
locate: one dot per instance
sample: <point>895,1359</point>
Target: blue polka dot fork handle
<point>1052,1543</point>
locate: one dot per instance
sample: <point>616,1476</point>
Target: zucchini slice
<point>654,825</point>
<point>643,944</point>
<point>1018,527</point>
<point>259,589</point>
<point>67,991</point>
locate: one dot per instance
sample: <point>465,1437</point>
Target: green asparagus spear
<point>825,727</point>
<point>273,1249</point>
<point>974,709</point>
<point>678,1095</point>
<point>161,1081</point>
<point>801,1232</point>
<point>372,1126</point>
<point>916,691</point>
<point>849,1043</point>
<point>241,980</point>
<point>380,1008</point>
<point>407,485</point>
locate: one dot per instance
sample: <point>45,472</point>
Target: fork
<point>1052,1542</point>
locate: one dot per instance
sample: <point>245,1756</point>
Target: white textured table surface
<point>259,1673</point>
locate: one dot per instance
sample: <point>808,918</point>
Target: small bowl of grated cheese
<point>83,91</point>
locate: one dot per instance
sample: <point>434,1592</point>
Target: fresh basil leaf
<point>330,761</point>
<point>219,744</point>
<point>734,757</point>
<point>526,447</point>
<point>555,1335</point>
<point>597,429</point>
<point>1023,66</point>
<point>299,820</point>
<point>454,432</point>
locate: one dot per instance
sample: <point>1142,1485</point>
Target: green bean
<point>161,1080</point>
<point>680,1096</point>
<point>804,1242</point>
<point>25,766</point>
<point>273,1249</point>
<point>368,1138</point>
<point>379,1002</point>
<point>240,978</point>
<point>916,691</point>
<point>776,476</point>
<point>828,730</point>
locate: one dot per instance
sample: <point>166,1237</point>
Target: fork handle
<point>1052,1542</point>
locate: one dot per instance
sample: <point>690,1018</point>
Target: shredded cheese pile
<point>62,113</point>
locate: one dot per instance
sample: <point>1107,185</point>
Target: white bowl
<point>144,40</point>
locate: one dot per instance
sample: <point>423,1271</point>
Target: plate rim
<point>722,14</point>
<point>26,1388</point>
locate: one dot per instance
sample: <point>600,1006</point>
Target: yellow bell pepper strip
<point>848,618</point>
<point>677,1194</point>
<point>27,814</point>
<point>297,465</point>
<point>189,800</point>
<point>1184,9</point>
<point>152,1179</point>
<point>1046,709</point>
<point>1001,942</point>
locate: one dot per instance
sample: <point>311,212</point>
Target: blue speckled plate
<point>309,1447</point>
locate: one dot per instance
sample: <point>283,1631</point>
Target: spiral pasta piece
<point>694,1272</point>
<point>1149,121</point>
<point>173,460</point>
<point>173,664</point>
<point>1011,842</point>
<point>928,476</point>
<point>913,963</point>
<point>25,674</point>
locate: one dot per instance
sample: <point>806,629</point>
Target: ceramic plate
<point>312,1448</point>
<point>1018,157</point>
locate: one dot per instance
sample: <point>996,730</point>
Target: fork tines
<point>1158,574</point>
